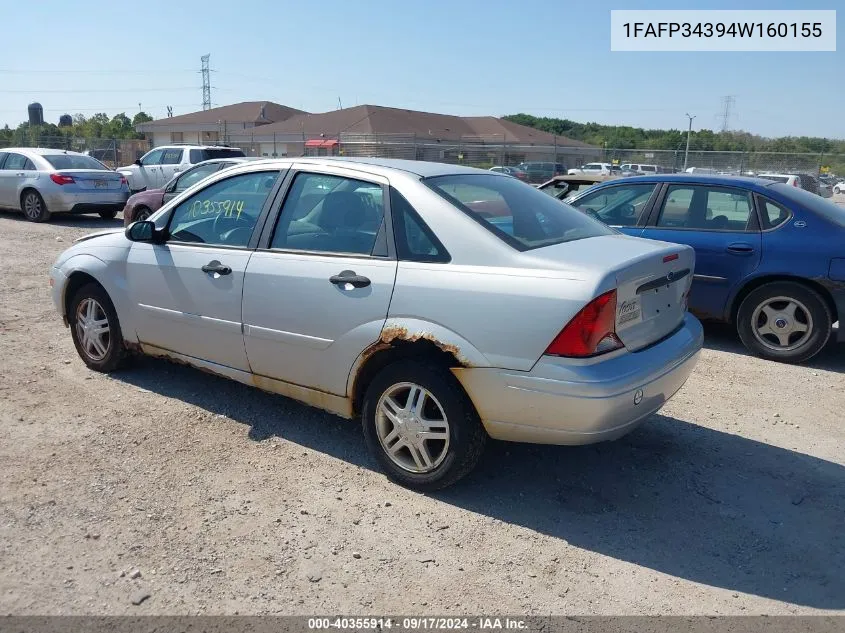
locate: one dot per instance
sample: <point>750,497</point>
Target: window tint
<point>773,213</point>
<point>518,214</point>
<point>153,158</point>
<point>72,161</point>
<point>2,158</point>
<point>618,206</point>
<point>193,176</point>
<point>171,157</point>
<point>223,213</point>
<point>414,240</point>
<point>199,155</point>
<point>706,208</point>
<point>331,214</point>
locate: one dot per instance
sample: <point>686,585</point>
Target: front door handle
<point>216,267</point>
<point>740,248</point>
<point>349,277</point>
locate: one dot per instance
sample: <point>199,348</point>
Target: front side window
<point>171,157</point>
<point>224,213</point>
<point>193,176</point>
<point>705,208</point>
<point>153,157</point>
<point>618,206</point>
<point>15,161</point>
<point>520,215</point>
<point>331,214</point>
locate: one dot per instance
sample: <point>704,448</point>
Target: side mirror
<point>138,162</point>
<point>143,231</point>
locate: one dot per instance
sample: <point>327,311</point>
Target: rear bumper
<point>63,202</point>
<point>561,401</point>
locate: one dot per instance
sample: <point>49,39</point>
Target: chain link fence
<point>482,152</point>
<point>109,151</point>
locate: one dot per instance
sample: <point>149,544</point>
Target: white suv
<point>155,168</point>
<point>601,169</point>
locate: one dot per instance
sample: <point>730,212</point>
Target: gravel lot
<point>191,494</point>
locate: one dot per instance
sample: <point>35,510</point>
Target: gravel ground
<point>186,493</point>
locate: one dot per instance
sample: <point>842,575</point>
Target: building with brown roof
<point>216,124</point>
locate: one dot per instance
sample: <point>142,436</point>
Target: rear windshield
<point>73,161</point>
<point>775,178</point>
<point>199,155</point>
<point>818,205</point>
<point>518,214</point>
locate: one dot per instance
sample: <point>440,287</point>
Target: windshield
<point>821,206</point>
<point>520,215</point>
<point>74,161</point>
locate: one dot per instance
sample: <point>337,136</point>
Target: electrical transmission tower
<point>727,105</point>
<point>206,83</point>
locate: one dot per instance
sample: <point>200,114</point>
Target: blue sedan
<point>770,258</point>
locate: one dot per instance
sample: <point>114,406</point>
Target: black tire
<point>467,436</point>
<point>115,350</point>
<point>813,312</point>
<point>141,213</point>
<point>33,207</point>
<point>108,215</point>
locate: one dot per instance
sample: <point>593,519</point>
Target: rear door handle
<point>349,277</point>
<point>740,248</point>
<point>216,267</point>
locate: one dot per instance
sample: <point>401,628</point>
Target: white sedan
<point>839,187</point>
<point>439,304</point>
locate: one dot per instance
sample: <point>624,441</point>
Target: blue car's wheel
<point>784,321</point>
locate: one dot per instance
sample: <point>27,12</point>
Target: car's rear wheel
<point>421,426</point>
<point>108,215</point>
<point>784,321</point>
<point>95,329</point>
<point>33,207</point>
<point>142,213</point>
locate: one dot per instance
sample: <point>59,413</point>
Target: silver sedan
<point>41,182</point>
<point>441,305</point>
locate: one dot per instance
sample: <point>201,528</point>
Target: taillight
<point>590,332</point>
<point>123,180</point>
<point>61,179</point>
<point>795,183</point>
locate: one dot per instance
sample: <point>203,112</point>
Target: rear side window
<point>15,161</point>
<point>705,208</point>
<point>774,214</point>
<point>72,161</point>
<point>518,214</point>
<point>199,155</point>
<point>414,240</point>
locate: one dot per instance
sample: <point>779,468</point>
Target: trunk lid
<point>94,178</point>
<point>651,280</point>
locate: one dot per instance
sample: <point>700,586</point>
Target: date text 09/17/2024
<point>417,623</point>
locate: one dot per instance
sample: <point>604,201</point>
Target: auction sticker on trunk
<point>629,312</point>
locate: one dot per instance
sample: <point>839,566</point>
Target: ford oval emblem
<point>638,396</point>
<point>670,276</point>
<point>800,224</point>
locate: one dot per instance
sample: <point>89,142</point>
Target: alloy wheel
<point>92,327</point>
<point>412,427</point>
<point>32,206</point>
<point>782,324</point>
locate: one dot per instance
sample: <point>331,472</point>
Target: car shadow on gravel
<point>74,220</point>
<point>723,338</point>
<point>681,499</point>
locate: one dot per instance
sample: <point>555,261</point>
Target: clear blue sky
<point>468,57</point>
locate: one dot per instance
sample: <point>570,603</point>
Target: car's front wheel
<point>33,207</point>
<point>141,213</point>
<point>421,426</point>
<point>95,329</point>
<point>784,321</point>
